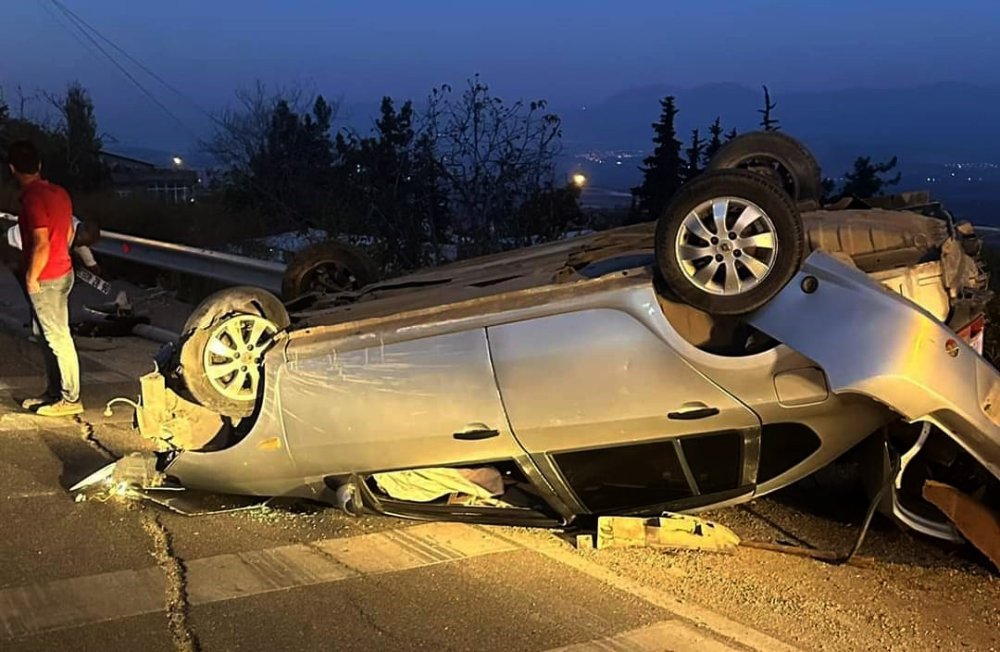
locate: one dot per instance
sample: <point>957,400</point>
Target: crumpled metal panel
<point>873,342</point>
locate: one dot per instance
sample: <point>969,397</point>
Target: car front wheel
<point>729,241</point>
<point>223,345</point>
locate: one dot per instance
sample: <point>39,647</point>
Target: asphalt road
<point>122,575</point>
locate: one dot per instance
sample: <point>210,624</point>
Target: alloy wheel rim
<point>726,246</point>
<point>232,360</point>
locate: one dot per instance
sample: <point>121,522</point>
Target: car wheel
<point>729,241</point>
<point>782,159</point>
<point>222,348</point>
<point>327,267</point>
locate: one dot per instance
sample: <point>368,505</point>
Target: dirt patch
<point>917,595</point>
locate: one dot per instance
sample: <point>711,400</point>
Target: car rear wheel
<point>729,241</point>
<point>327,267</point>
<point>779,158</point>
<point>222,348</point>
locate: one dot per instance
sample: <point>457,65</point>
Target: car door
<point>602,401</point>
<point>385,406</point>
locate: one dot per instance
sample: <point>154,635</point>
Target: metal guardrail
<point>228,268</point>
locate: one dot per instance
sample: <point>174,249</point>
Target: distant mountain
<point>934,123</point>
<point>924,126</point>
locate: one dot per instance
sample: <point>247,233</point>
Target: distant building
<point>131,177</point>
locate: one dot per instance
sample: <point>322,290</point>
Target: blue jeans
<point>50,318</point>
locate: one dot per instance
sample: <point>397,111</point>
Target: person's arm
<point>87,258</point>
<point>34,226</point>
<point>38,256</point>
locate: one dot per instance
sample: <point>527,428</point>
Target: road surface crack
<point>88,436</point>
<point>178,605</point>
<point>364,613</point>
<point>175,572</point>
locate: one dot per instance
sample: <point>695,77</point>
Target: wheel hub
<point>726,246</point>
<point>233,354</point>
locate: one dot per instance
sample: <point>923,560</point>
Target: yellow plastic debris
<point>666,531</point>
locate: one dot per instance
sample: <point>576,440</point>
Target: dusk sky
<point>569,52</point>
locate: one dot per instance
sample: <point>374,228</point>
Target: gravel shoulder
<point>916,595</point>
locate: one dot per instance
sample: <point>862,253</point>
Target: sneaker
<point>38,401</point>
<point>60,409</point>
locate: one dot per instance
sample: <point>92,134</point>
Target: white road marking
<point>91,599</point>
<point>76,602</point>
<point>554,549</point>
<point>36,494</point>
<point>668,635</point>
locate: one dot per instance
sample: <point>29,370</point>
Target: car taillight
<point>973,333</point>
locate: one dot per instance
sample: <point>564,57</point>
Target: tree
<point>277,158</point>
<point>829,188</point>
<point>71,149</point>
<point>493,156</point>
<point>662,172</point>
<point>547,214</point>
<point>4,129</point>
<point>692,167</point>
<point>731,134</point>
<point>714,141</point>
<point>82,145</point>
<point>866,179</point>
<point>389,180</point>
<point>767,122</point>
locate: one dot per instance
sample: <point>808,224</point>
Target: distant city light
<point>579,180</point>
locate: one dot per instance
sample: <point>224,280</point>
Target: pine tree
<point>81,143</point>
<point>714,143</point>
<point>694,153</point>
<point>866,180</point>
<point>661,171</point>
<point>731,134</point>
<point>767,122</point>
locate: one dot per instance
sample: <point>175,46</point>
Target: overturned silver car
<point>740,343</point>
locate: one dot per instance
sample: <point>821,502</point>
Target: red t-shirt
<point>46,205</point>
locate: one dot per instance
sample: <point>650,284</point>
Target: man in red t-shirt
<point>46,225</point>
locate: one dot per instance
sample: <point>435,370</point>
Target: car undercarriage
<point>630,371</point>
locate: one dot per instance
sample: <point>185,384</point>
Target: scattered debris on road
<point>665,531</point>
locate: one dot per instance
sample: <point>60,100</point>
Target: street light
<point>579,180</point>
<point>178,161</point>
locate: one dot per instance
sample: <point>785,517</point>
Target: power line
<point>89,32</point>
<point>121,68</point>
<point>55,16</point>
<point>84,24</point>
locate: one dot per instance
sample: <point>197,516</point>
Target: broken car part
<point>665,531</point>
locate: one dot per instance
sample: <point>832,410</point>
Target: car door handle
<point>692,411</point>
<point>476,432</point>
